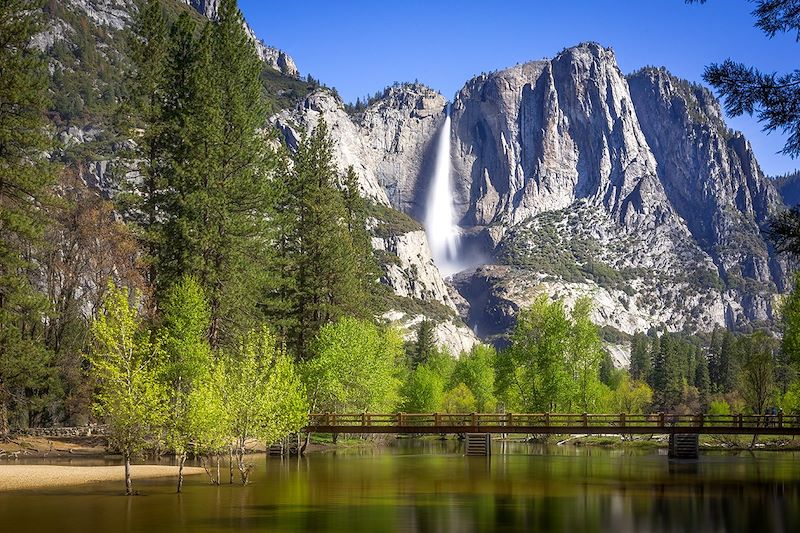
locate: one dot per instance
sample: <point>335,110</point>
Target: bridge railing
<point>552,420</point>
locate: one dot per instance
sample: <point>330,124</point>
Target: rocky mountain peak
<point>415,99</point>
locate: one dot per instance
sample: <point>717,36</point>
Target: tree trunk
<point>181,461</point>
<point>128,482</point>
<point>230,464</point>
<point>219,459</point>
<point>335,438</point>
<point>306,441</point>
<point>4,429</point>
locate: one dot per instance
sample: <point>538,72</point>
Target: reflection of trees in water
<point>428,485</point>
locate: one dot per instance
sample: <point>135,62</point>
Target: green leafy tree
<point>263,393</point>
<point>26,372</point>
<point>459,399</point>
<point>184,338</point>
<point>208,419</point>
<point>354,368</point>
<point>424,390</point>
<point>532,374</point>
<point>127,366</point>
<point>475,371</point>
<point>632,396</point>
<point>584,355</point>
<point>755,376</point>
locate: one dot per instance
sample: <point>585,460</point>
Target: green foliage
<point>640,357</point>
<point>553,361</point>
<point>632,396</point>
<point>202,205</point>
<point>424,390</point>
<point>790,321</point>
<point>207,415</point>
<point>127,366</point>
<point>719,407</point>
<point>390,222</point>
<point>459,399</point>
<point>184,340</point>
<point>475,371</point>
<point>354,368</point>
<point>531,373</point>
<point>702,380</point>
<point>263,394</point>
<point>319,247</point>
<point>584,356</point>
<point>424,345</point>
<point>756,370</point>
<point>26,372</point>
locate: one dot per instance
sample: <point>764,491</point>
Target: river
<point>430,486</point>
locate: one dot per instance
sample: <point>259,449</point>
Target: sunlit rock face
<point>578,168</point>
<point>577,180</point>
<point>712,179</point>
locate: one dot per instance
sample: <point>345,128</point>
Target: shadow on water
<point>428,485</point>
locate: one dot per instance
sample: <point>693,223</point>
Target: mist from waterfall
<point>443,233</point>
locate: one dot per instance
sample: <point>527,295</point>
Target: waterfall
<point>443,233</point>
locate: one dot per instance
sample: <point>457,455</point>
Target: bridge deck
<point>550,423</point>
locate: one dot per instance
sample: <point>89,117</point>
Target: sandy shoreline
<point>21,477</point>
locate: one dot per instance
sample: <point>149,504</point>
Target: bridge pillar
<point>478,444</point>
<point>684,445</point>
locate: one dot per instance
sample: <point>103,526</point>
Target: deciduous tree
<point>127,366</point>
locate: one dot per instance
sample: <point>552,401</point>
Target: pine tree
<point>424,345</point>
<point>790,322</point>
<point>148,45</point>
<point>702,380</point>
<point>25,180</point>
<point>714,351</point>
<point>640,357</point>
<point>364,265</point>
<point>315,259</point>
<point>727,357</point>
<point>218,168</point>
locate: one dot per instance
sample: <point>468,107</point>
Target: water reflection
<point>431,486</point>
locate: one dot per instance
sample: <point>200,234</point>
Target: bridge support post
<point>684,445</point>
<point>478,444</point>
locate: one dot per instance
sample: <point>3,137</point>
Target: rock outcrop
<point>399,130</point>
<point>413,274</point>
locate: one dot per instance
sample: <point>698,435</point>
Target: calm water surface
<point>430,486</point>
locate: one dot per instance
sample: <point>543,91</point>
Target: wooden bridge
<point>552,423</point>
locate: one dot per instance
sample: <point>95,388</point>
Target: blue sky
<point>360,47</point>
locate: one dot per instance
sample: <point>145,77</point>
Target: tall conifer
<point>25,180</point>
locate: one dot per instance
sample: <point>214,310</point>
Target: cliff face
<point>585,182</point>
<point>536,137</point>
<point>711,177</point>
<point>389,145</point>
